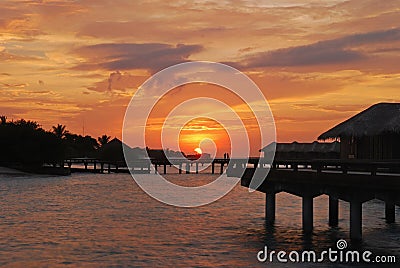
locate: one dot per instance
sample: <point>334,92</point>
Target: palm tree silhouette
<point>103,140</point>
<point>60,131</point>
<point>3,119</point>
<point>28,124</point>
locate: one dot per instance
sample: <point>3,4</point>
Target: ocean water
<point>106,220</point>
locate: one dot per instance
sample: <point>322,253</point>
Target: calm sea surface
<point>107,220</point>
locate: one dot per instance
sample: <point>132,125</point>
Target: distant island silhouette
<point>28,147</point>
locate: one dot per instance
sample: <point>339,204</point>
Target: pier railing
<point>344,166</point>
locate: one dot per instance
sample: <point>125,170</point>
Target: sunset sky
<point>78,63</point>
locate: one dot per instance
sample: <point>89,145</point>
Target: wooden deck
<point>353,181</point>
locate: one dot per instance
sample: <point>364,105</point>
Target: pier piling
<point>187,168</point>
<point>355,220</point>
<point>390,212</point>
<point>270,204</point>
<point>307,202</point>
<point>333,211</point>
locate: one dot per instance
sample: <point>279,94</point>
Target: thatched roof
<point>378,119</point>
<point>314,147</point>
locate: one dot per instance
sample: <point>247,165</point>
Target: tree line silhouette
<point>25,143</point>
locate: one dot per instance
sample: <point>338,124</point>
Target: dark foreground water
<point>107,220</point>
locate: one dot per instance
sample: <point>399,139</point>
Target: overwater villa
<point>372,134</point>
<point>304,151</point>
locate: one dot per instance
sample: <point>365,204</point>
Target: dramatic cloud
<point>118,81</point>
<point>151,56</point>
<point>341,50</point>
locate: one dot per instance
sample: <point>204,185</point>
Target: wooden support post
<point>155,168</point>
<point>109,168</point>
<point>180,168</point>
<point>212,167</point>
<point>373,170</point>
<point>116,168</point>
<point>86,164</point>
<point>355,220</point>
<point>222,168</point>
<point>390,212</point>
<point>101,167</point>
<point>187,168</point>
<point>94,166</point>
<point>165,169</point>
<point>307,214</point>
<point>270,204</point>
<point>197,168</point>
<point>344,169</point>
<point>333,211</point>
<point>295,167</point>
<point>319,168</point>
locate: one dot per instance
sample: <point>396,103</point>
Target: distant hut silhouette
<point>114,151</point>
<point>304,151</point>
<point>372,134</point>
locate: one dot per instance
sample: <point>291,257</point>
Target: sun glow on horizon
<point>205,135</point>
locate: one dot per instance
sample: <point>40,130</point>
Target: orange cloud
<point>123,56</point>
<point>118,81</point>
<point>334,51</point>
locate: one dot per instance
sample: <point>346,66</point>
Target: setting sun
<point>198,150</point>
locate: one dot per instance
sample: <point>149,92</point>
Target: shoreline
<point>11,172</point>
<point>24,172</point>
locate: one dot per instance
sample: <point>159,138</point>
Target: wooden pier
<point>185,165</point>
<point>353,181</point>
<point>95,165</point>
<point>143,166</point>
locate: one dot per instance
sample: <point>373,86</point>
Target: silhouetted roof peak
<point>378,119</point>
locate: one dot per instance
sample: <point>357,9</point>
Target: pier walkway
<point>143,166</point>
